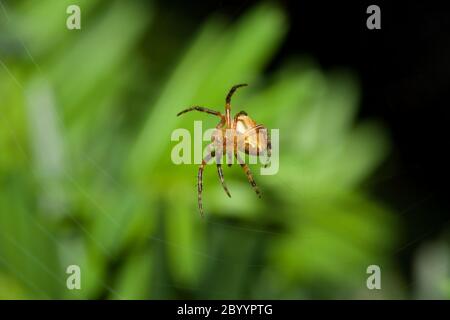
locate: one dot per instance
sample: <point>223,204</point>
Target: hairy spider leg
<point>201,109</point>
<point>209,156</point>
<point>218,156</point>
<point>230,140</point>
<point>247,171</point>
<point>269,149</point>
<point>222,180</point>
<point>200,180</point>
<point>228,102</point>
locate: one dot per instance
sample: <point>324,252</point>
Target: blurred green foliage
<point>86,176</point>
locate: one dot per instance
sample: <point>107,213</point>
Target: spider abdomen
<point>252,138</point>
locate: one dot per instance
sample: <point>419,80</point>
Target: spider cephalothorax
<point>230,137</point>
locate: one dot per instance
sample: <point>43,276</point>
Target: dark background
<point>404,70</point>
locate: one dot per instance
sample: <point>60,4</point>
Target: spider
<point>246,136</point>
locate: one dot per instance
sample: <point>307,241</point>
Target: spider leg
<point>249,175</point>
<point>230,140</point>
<point>232,90</point>
<point>222,180</point>
<point>201,109</point>
<point>239,114</point>
<point>256,128</point>
<point>200,181</point>
<point>229,157</point>
<point>228,102</point>
<point>269,149</point>
<point>218,154</point>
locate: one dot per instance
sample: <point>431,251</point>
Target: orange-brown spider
<point>240,135</point>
